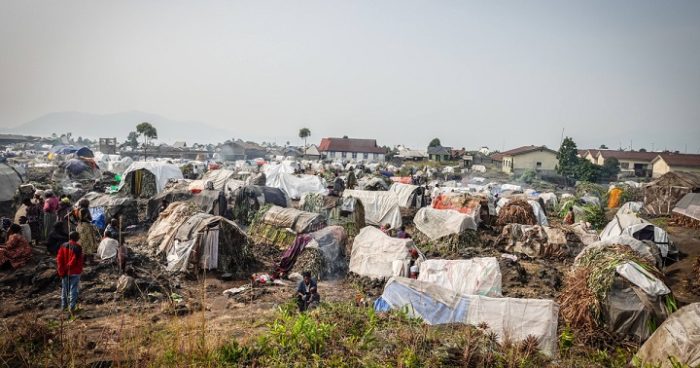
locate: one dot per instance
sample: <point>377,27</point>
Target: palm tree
<point>303,134</point>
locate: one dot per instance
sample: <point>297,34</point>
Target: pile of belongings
<point>516,211</point>
<point>616,288</point>
<point>278,226</point>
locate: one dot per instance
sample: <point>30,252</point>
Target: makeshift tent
<point>279,226</point>
<point>639,229</point>
<point>678,338</point>
<point>534,240</point>
<point>147,178</point>
<point>687,210</point>
<point>323,254</point>
<point>475,276</point>
<point>406,194</point>
<point>509,318</point>
<point>348,213</point>
<point>220,178</point>
<point>436,224</point>
<point>630,208</point>
<point>549,199</point>
<point>10,180</point>
<point>662,194</point>
<point>246,201</point>
<point>193,241</point>
<point>79,169</point>
<point>645,249</point>
<point>380,207</point>
<point>279,176</point>
<point>114,206</point>
<point>379,256</point>
<point>372,184</point>
<point>208,201</point>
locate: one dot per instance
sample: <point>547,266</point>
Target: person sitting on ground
<point>307,293</point>
<point>402,234</point>
<point>56,237</point>
<point>570,219</point>
<point>69,264</point>
<point>26,229</point>
<point>16,252</point>
<point>112,230</point>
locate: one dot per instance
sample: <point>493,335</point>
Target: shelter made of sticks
<point>278,226</point>
<point>662,194</point>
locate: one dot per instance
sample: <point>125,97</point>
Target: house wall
<point>590,158</point>
<point>507,164</point>
<point>660,167</point>
<point>371,157</point>
<point>526,161</point>
<point>627,166</point>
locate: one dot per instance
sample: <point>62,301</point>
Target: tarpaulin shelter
<point>322,253</point>
<point>436,224</point>
<point>689,206</point>
<point>278,176</point>
<point>662,194</point>
<point>380,207</point>
<point>475,276</point>
<point>208,201</point>
<point>114,206</point>
<point>192,241</point>
<point>639,229</point>
<point>247,200</point>
<point>147,178</point>
<point>509,318</point>
<point>10,180</point>
<point>379,256</point>
<point>406,193</point>
<point>678,337</point>
<point>80,168</point>
<point>534,240</point>
<point>279,226</point>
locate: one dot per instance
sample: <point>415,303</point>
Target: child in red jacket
<point>69,262</point>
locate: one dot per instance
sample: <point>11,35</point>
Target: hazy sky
<point>502,74</point>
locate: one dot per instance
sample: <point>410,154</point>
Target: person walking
<point>69,263</point>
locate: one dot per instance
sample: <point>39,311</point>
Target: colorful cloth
<point>88,237</point>
<point>16,251</point>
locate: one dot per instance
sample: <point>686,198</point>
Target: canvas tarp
<point>380,207</point>
<point>404,193</point>
<point>10,180</point>
<point>219,178</point>
<point>689,206</point>
<point>294,186</point>
<point>374,253</point>
<point>475,276</point>
<point>115,206</point>
<point>533,240</point>
<point>677,337</point>
<point>508,318</point>
<point>331,242</point>
<point>436,224</point>
<point>298,221</point>
<point>162,232</point>
<point>162,171</point>
<point>107,248</point>
<point>630,208</point>
<point>640,229</point>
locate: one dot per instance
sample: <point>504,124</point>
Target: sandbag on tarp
<point>405,193</point>
<point>509,318</point>
<point>677,337</point>
<point>294,186</point>
<point>374,254</point>
<point>115,206</point>
<point>162,172</point>
<point>380,207</point>
<point>436,224</point>
<point>475,276</point>
<point>639,229</point>
<point>299,221</point>
<point>10,180</point>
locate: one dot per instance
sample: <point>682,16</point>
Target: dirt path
<point>678,274</point>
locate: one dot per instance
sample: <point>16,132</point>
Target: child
<point>69,262</point>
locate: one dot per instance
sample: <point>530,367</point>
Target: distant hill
<point>118,125</point>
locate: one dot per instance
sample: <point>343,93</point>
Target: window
<point>539,165</point>
<point>343,154</point>
<point>354,155</point>
<point>624,165</point>
<point>365,155</point>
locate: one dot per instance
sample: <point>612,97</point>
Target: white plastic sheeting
<point>475,276</point>
<point>295,186</point>
<point>632,225</point>
<point>549,199</point>
<point>380,207</point>
<point>9,182</point>
<point>509,318</point>
<point>162,171</point>
<point>678,337</point>
<point>436,224</point>
<point>404,192</point>
<point>219,178</point>
<point>643,279</point>
<point>630,208</point>
<point>513,187</point>
<point>539,213</point>
<point>373,253</point>
<point>689,206</point>
<point>107,248</point>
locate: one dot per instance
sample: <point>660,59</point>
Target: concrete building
<point>667,162</point>
<point>365,150</point>
<point>439,153</point>
<point>518,160</point>
<point>632,163</point>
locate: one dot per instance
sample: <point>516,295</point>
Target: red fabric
<point>17,251</point>
<point>458,203</point>
<point>69,260</point>
<point>51,205</point>
<point>402,179</point>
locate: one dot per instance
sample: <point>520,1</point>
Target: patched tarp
<point>534,240</point>
<point>115,206</point>
<point>294,186</point>
<point>220,177</point>
<point>10,180</point>
<point>689,206</point>
<point>380,207</point>
<point>404,193</point>
<point>162,171</point>
<point>374,253</point>
<point>639,229</point>
<point>475,276</point>
<point>509,318</point>
<point>677,337</point>
<point>436,224</point>
<point>298,221</point>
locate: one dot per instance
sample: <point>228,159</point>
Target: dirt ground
<point>679,275</point>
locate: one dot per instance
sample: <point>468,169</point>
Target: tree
<point>303,134</point>
<point>148,132</point>
<point>435,143</point>
<point>602,146</point>
<point>132,140</point>
<point>642,150</point>
<point>568,159</point>
<point>587,171</point>
<point>610,169</point>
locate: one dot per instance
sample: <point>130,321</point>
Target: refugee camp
<point>350,184</point>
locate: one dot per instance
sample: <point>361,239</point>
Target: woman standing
<point>88,233</point>
<point>50,212</point>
